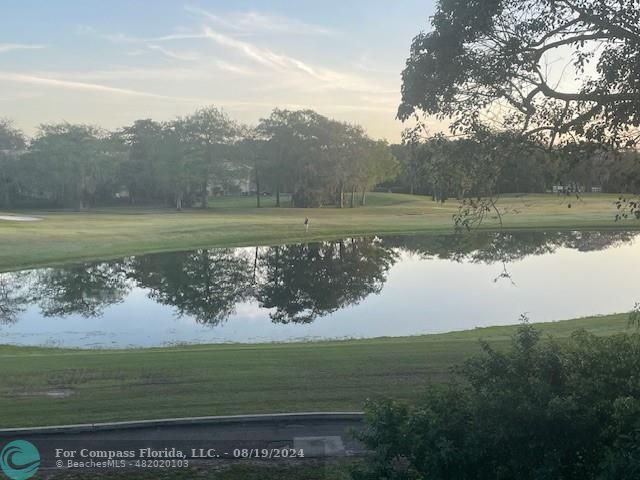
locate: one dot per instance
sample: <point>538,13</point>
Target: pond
<point>353,288</point>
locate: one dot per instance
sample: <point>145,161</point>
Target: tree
<point>253,152</point>
<point>408,166</point>
<point>71,161</point>
<point>140,172</point>
<point>279,131</point>
<point>295,140</point>
<point>541,410</point>
<point>182,167</point>
<point>322,158</point>
<point>12,145</point>
<point>491,58</point>
<point>341,150</point>
<point>210,134</point>
<point>483,56</point>
<point>376,164</point>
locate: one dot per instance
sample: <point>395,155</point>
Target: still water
<point>353,288</point>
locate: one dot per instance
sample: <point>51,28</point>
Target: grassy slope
<point>68,236</point>
<point>229,379</point>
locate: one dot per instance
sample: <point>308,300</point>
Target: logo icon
<point>20,460</point>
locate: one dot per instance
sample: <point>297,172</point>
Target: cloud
<point>10,47</point>
<point>257,54</point>
<point>82,86</point>
<point>288,70</point>
<point>193,71</point>
<point>183,56</point>
<point>253,22</point>
<point>236,69</point>
<point>124,38</point>
<point>274,77</point>
<point>286,65</point>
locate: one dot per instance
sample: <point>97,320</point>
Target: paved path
<point>318,435</point>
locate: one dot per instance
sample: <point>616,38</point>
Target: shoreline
<point>74,237</point>
<point>460,335</point>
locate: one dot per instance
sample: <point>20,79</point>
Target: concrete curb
<point>172,422</point>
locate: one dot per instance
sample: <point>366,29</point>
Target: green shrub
<point>539,411</point>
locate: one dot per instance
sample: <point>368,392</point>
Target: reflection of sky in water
<point>420,296</point>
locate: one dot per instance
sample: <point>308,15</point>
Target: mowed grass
<point>66,236</point>
<point>108,385</point>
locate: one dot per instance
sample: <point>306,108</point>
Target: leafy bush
<point>539,411</point>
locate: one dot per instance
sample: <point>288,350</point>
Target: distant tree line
<point>182,162</point>
<point>489,163</point>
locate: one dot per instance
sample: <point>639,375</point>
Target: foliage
<point>317,159</point>
<point>184,161</point>
<point>489,61</point>
<point>634,315</point>
<point>12,142</point>
<point>483,164</point>
<point>70,165</point>
<point>627,208</point>
<point>539,410</point>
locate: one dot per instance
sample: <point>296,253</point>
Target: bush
<point>539,411</point>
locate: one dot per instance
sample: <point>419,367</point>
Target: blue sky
<point>110,62</point>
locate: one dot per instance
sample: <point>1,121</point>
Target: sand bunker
<point>19,218</point>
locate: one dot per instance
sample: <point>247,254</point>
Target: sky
<point>109,63</point>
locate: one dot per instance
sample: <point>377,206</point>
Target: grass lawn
<point>66,236</point>
<point>106,385</point>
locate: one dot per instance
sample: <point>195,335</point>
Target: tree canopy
<point>496,61</point>
<point>184,161</point>
<point>321,158</point>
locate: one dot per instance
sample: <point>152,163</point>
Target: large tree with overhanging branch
<point>555,70</point>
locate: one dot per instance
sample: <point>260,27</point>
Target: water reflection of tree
<point>206,284</point>
<point>505,247</point>
<point>299,283</point>
<point>303,282</point>
<point>591,241</point>
<point>14,295</point>
<point>85,289</point>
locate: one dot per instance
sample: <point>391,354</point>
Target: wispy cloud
<point>325,78</point>
<point>218,51</point>
<point>10,47</point>
<point>258,54</point>
<point>183,56</point>
<point>125,38</point>
<point>253,22</point>
<point>82,86</point>
<point>192,71</point>
<point>283,68</point>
